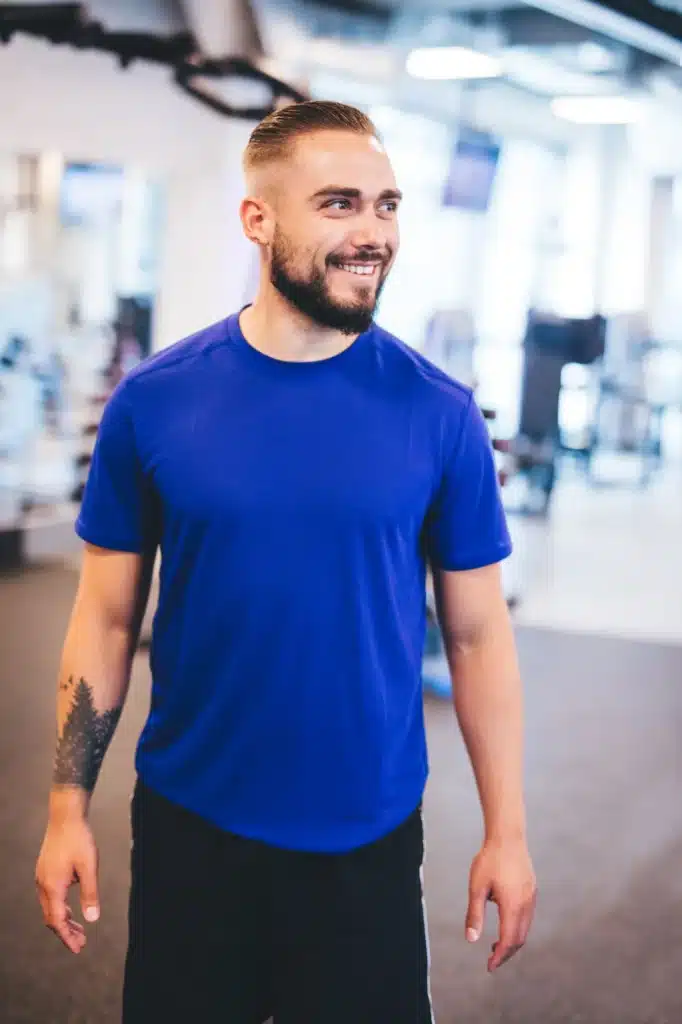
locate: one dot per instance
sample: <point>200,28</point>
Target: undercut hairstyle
<point>273,139</point>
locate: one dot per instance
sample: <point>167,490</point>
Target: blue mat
<point>437,686</point>
<point>435,670</point>
<point>436,675</point>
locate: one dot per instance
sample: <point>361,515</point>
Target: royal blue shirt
<point>295,505</point>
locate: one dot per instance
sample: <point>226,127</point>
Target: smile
<point>362,269</point>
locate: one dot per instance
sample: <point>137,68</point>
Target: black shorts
<point>233,931</point>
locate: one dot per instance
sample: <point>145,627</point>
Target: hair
<point>274,137</point>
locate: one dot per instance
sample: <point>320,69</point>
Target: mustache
<point>365,256</point>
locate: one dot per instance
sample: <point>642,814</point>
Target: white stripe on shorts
<point>428,947</point>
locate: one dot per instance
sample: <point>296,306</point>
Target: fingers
<point>475,917</point>
<point>58,917</point>
<point>509,941</point>
<point>86,870</point>
<point>527,919</point>
<point>501,953</point>
<point>53,887</point>
<point>515,922</point>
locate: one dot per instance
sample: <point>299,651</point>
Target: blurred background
<point>539,148</point>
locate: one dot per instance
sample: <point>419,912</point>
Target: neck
<point>275,327</point>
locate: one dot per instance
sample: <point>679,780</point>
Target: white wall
<point>207,262</point>
<point>625,257</point>
<point>84,106</point>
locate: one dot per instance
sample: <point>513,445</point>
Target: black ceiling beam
<point>189,76</point>
<point>365,9</point>
<point>68,24</point>
<point>59,20</point>
<point>665,16</point>
<point>527,26</point>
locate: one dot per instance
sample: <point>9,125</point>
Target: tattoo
<point>84,740</point>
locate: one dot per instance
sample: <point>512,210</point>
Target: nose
<point>369,232</point>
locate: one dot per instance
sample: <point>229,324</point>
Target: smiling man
<point>330,248</point>
<point>299,468</point>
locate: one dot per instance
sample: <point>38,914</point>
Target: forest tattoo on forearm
<point>84,739</point>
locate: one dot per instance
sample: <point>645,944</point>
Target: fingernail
<point>91,913</point>
<point>472,935</point>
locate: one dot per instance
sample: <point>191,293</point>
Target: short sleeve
<point>118,510</point>
<point>466,526</point>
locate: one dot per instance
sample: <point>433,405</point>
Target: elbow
<point>462,641</point>
<point>103,621</point>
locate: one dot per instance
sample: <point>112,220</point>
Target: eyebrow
<point>355,193</point>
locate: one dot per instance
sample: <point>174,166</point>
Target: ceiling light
<point>451,62</point>
<point>597,109</point>
<point>593,57</point>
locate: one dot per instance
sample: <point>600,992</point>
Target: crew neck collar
<point>285,367</point>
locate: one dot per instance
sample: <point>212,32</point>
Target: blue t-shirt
<point>295,505</point>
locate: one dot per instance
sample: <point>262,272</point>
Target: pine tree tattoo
<point>84,740</point>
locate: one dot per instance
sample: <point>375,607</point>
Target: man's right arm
<point>95,670</point>
<point>94,677</point>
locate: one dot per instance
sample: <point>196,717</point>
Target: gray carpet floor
<point>604,775</point>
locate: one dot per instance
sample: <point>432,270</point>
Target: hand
<point>68,855</point>
<point>502,873</point>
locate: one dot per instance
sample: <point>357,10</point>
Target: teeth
<point>358,269</point>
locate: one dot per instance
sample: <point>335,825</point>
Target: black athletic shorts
<point>233,931</point>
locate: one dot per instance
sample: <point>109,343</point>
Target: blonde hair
<point>274,137</point>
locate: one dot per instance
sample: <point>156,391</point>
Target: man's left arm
<point>488,699</point>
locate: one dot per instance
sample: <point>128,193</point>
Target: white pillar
<point>610,156</point>
<point>662,256</point>
<point>570,290</point>
<point>623,266</point>
<point>207,265</point>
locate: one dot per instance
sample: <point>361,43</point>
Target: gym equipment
<point>641,379</point>
<point>435,669</point>
<point>550,343</point>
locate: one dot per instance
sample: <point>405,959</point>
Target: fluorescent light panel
<point>595,58</point>
<point>597,109</point>
<point>442,63</point>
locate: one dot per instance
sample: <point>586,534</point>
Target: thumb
<point>475,914</point>
<point>87,875</point>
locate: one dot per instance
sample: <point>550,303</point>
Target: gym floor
<point>604,763</point>
<point>607,562</point>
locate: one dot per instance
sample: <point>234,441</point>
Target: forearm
<point>489,706</point>
<point>93,682</point>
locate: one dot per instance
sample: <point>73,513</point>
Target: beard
<point>312,297</point>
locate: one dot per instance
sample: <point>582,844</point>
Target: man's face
<point>335,230</point>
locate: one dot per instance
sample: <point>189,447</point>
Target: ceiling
<point>545,52</point>
<point>542,52</point>
<point>212,49</point>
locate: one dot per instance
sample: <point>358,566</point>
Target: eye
<point>338,204</point>
<point>390,206</point>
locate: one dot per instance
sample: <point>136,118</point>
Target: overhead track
<point>193,71</point>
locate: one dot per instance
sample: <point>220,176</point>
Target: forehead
<point>341,158</point>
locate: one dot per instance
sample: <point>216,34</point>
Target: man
<point>298,467</point>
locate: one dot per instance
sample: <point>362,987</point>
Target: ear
<point>257,220</point>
